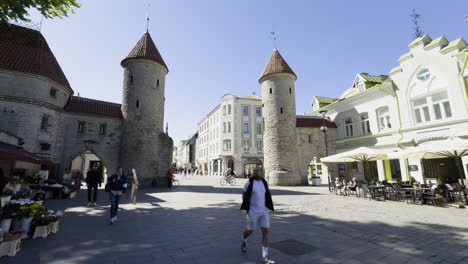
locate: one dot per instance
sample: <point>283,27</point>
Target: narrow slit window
<point>271,90</point>
<point>281,109</point>
<point>130,80</point>
<point>290,90</point>
<point>157,83</point>
<point>137,103</point>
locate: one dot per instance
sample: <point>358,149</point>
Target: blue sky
<point>215,47</point>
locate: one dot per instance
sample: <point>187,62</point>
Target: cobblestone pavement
<point>200,222</point>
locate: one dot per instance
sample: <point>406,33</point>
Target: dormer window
<point>361,86</point>
<point>424,75</point>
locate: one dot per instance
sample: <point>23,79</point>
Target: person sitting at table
<point>353,185</point>
<point>338,184</point>
<point>441,190</point>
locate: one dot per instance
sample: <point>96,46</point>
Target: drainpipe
<point>462,80</point>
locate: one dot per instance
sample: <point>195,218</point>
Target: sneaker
<point>111,221</point>
<point>94,204</point>
<point>268,260</point>
<point>90,204</point>
<point>115,219</point>
<point>243,246</point>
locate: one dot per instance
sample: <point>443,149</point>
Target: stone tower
<point>143,112</point>
<point>279,112</point>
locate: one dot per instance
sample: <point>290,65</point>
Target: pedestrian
<point>257,201</point>
<point>133,194</point>
<point>77,178</point>
<point>170,177</point>
<point>93,180</point>
<point>117,186</point>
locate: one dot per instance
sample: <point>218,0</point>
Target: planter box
<point>5,225</point>
<point>41,231</point>
<point>72,195</point>
<point>5,200</point>
<point>10,248</point>
<point>54,227</point>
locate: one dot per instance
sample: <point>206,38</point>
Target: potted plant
<point>5,196</point>
<point>16,215</point>
<point>8,213</point>
<point>29,212</point>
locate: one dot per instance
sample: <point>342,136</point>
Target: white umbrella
<point>361,154</point>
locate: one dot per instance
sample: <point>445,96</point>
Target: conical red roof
<point>26,50</point>
<point>277,64</point>
<point>146,49</point>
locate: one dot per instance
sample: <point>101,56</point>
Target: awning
<point>447,148</point>
<point>12,152</point>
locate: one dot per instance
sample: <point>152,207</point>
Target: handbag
<point>107,187</point>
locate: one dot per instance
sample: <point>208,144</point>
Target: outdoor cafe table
<point>414,192</point>
<point>378,188</point>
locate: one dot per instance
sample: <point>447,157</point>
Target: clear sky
<point>215,47</point>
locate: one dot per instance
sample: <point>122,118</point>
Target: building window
<point>245,128</point>
<point>229,109</point>
<point>271,90</point>
<point>229,127</point>
<point>440,108</point>
<point>348,127</point>
<point>259,128</point>
<point>130,79</point>
<point>44,122</point>
<point>81,127</point>
<point>53,92</point>
<point>102,129</point>
<point>224,110</point>
<point>310,139</point>
<point>137,103</point>
<point>245,110</point>
<point>281,109</point>
<point>224,127</point>
<point>258,111</point>
<point>290,90</point>
<point>259,145</point>
<point>45,146</point>
<point>361,86</point>
<point>383,117</point>
<point>157,83</point>
<point>424,75</point>
<point>246,144</point>
<point>365,125</point>
<point>227,144</point>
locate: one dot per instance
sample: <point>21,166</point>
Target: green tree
<point>18,9</point>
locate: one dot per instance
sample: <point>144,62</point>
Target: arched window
<point>424,74</point>
<point>383,118</point>
<point>348,127</point>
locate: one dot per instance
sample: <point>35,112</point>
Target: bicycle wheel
<point>232,181</point>
<point>223,181</point>
<point>176,183</point>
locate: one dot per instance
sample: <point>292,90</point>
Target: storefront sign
<point>413,167</point>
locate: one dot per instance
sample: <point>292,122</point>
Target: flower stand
<point>25,226</point>
<point>39,202</point>
<point>41,231</point>
<point>54,227</point>
<point>72,194</point>
<point>16,224</point>
<point>5,225</point>
<point>10,245</point>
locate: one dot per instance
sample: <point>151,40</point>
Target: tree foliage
<point>417,29</point>
<point>17,10</point>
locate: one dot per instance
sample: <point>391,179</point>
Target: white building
<point>181,158</point>
<point>231,136</point>
<point>423,99</point>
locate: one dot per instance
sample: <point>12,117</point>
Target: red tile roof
<point>277,64</point>
<point>145,49</point>
<point>313,121</point>
<point>12,152</point>
<point>26,50</point>
<point>89,106</point>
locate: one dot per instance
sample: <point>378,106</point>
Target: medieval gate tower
<point>279,111</point>
<point>143,112</point>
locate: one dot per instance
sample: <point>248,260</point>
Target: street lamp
<point>323,128</point>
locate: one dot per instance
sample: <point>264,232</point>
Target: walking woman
<point>117,186</point>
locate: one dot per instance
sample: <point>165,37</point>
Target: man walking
<point>93,179</point>
<point>256,201</point>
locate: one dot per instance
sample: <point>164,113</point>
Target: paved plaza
<point>200,222</point>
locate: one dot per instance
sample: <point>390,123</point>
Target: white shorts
<point>254,219</point>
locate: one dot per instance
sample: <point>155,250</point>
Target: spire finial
<point>147,16</point>
<point>274,38</point>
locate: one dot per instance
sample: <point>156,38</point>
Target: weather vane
<point>147,16</point>
<point>274,37</point>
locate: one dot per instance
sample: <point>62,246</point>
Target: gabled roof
<point>374,79</point>
<point>327,100</point>
<point>12,152</point>
<point>277,64</point>
<point>145,49</point>
<point>26,50</point>
<point>313,121</point>
<point>89,106</point>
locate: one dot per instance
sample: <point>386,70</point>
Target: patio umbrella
<point>449,148</point>
<point>362,154</point>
